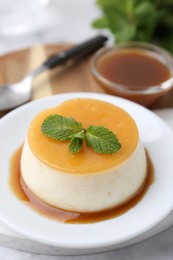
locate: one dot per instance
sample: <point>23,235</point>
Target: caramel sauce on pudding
<point>86,185</point>
<point>23,193</point>
<point>89,112</point>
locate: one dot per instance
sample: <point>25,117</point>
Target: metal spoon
<point>16,94</point>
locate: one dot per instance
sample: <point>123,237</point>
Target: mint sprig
<point>135,20</point>
<point>99,138</point>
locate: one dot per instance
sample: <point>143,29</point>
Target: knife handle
<point>76,52</point>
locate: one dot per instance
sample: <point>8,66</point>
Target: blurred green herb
<point>137,20</point>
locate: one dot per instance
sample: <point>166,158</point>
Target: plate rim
<point>70,95</point>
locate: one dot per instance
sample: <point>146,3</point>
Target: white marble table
<point>157,248</point>
<point>68,21</point>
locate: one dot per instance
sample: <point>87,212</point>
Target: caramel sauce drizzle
<point>23,193</point>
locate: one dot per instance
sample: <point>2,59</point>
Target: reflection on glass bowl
<point>137,71</point>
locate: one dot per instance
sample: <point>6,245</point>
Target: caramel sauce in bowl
<point>137,71</point>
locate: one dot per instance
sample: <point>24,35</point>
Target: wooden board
<point>69,78</point>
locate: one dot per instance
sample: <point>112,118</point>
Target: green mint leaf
<point>99,138</point>
<point>60,128</point>
<point>80,134</point>
<point>100,23</point>
<point>102,140</point>
<point>135,20</point>
<point>75,145</point>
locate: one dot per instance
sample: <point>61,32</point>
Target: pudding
<point>86,181</point>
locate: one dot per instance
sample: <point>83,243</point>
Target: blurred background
<point>27,22</point>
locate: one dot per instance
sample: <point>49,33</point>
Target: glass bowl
<point>144,95</point>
